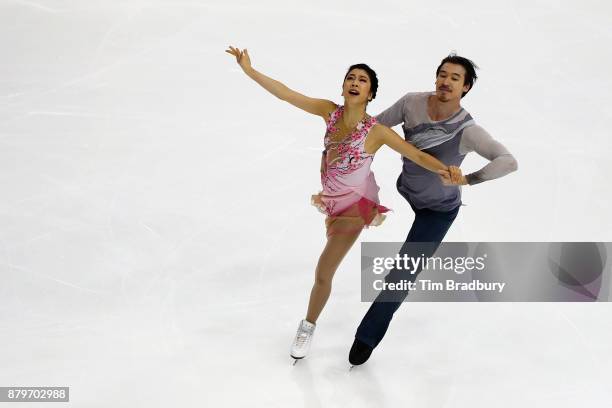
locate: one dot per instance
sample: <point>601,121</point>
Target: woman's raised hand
<point>242,57</point>
<point>320,107</point>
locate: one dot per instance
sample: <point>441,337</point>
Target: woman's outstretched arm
<point>382,135</point>
<point>320,107</point>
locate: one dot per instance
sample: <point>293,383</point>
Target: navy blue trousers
<point>429,227</point>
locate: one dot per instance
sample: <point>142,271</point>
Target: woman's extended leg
<point>336,248</point>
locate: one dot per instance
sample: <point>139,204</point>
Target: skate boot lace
<point>302,336</point>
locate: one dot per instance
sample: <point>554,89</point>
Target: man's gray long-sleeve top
<point>449,141</point>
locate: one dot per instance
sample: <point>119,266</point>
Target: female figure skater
<point>350,193</point>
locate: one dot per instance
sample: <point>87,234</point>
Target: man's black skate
<point>360,352</point>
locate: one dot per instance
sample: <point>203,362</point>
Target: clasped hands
<point>452,176</point>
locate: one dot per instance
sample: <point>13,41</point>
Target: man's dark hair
<point>371,75</point>
<point>468,65</point>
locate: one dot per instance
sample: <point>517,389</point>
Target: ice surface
<point>157,245</point>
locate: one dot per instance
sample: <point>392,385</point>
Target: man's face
<point>450,82</point>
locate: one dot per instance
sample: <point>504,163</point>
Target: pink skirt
<point>352,219</point>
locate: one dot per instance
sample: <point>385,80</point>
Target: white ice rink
<point>157,244</point>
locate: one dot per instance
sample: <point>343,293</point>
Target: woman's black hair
<point>371,75</point>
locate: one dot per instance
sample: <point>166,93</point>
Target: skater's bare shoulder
<point>379,135</point>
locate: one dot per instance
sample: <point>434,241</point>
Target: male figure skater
<point>436,123</point>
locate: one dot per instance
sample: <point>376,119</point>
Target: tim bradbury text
<point>449,284</point>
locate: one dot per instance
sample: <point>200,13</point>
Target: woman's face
<point>356,87</point>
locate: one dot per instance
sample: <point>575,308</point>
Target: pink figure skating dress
<point>350,193</point>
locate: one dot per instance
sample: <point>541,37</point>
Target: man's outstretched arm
<point>393,115</point>
<point>502,162</point>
